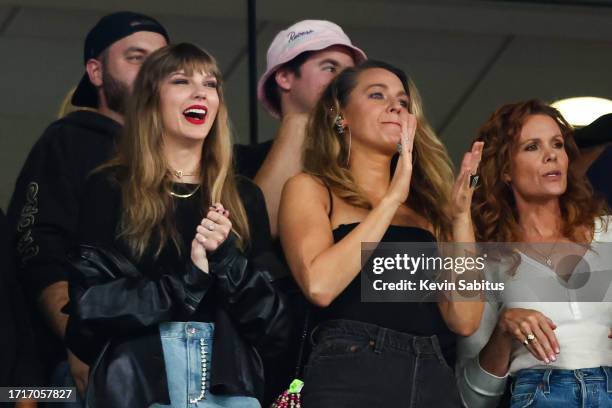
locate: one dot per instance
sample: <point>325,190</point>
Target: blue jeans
<point>584,388</point>
<point>187,354</point>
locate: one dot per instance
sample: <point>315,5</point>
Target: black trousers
<point>355,364</point>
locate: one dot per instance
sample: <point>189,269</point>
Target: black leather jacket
<point>114,313</point>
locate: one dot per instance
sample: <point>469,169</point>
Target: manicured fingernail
<point>553,358</point>
<point>547,361</point>
<point>557,350</point>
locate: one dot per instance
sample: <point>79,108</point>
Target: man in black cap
<point>44,207</point>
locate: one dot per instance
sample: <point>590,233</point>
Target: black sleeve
<point>243,283</point>
<point>44,208</point>
<point>259,224</point>
<point>109,295</point>
<point>18,352</point>
<point>245,291</point>
<point>104,304</point>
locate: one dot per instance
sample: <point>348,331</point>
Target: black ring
<point>474,180</point>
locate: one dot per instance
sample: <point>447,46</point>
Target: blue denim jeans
<point>584,388</point>
<point>187,354</point>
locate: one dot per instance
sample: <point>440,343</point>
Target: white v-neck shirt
<point>582,327</point>
<point>582,331</point>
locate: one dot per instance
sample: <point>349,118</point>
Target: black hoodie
<point>43,211</point>
<point>17,348</point>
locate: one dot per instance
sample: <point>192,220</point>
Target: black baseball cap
<point>110,29</point>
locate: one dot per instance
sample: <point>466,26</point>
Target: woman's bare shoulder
<point>306,183</point>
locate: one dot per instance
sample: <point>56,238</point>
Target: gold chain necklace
<point>177,195</point>
<point>179,173</point>
<point>547,258</point>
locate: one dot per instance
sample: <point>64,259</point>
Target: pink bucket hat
<point>306,35</point>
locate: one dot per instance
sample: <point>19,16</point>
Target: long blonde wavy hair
<point>326,152</point>
<point>147,207</point>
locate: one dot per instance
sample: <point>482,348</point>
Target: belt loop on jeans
<point>437,350</point>
<point>416,345</point>
<point>546,381</point>
<point>380,339</point>
<point>608,373</point>
<point>583,389</point>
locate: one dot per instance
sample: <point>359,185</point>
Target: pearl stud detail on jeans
<point>204,373</point>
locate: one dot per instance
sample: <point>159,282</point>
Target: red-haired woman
<point>559,352</point>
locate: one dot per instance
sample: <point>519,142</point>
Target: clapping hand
<point>210,234</point>
<point>400,183</point>
<point>466,182</point>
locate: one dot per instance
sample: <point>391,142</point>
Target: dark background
<point>466,57</point>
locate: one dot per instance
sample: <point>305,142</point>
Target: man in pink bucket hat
<point>301,61</point>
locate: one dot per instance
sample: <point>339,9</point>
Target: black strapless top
<point>419,319</point>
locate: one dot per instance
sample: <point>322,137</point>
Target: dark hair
<point>271,87</point>
<point>493,207</point>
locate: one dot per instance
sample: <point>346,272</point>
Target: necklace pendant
<point>173,194</point>
<point>178,173</point>
<point>548,261</point>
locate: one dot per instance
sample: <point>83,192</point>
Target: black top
<point>114,322</point>
<point>101,204</point>
<point>249,158</point>
<point>419,319</point>
<point>101,212</point>
<point>110,298</point>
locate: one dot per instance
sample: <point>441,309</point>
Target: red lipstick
<point>196,114</point>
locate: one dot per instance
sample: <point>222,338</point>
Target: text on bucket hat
<point>306,35</point>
